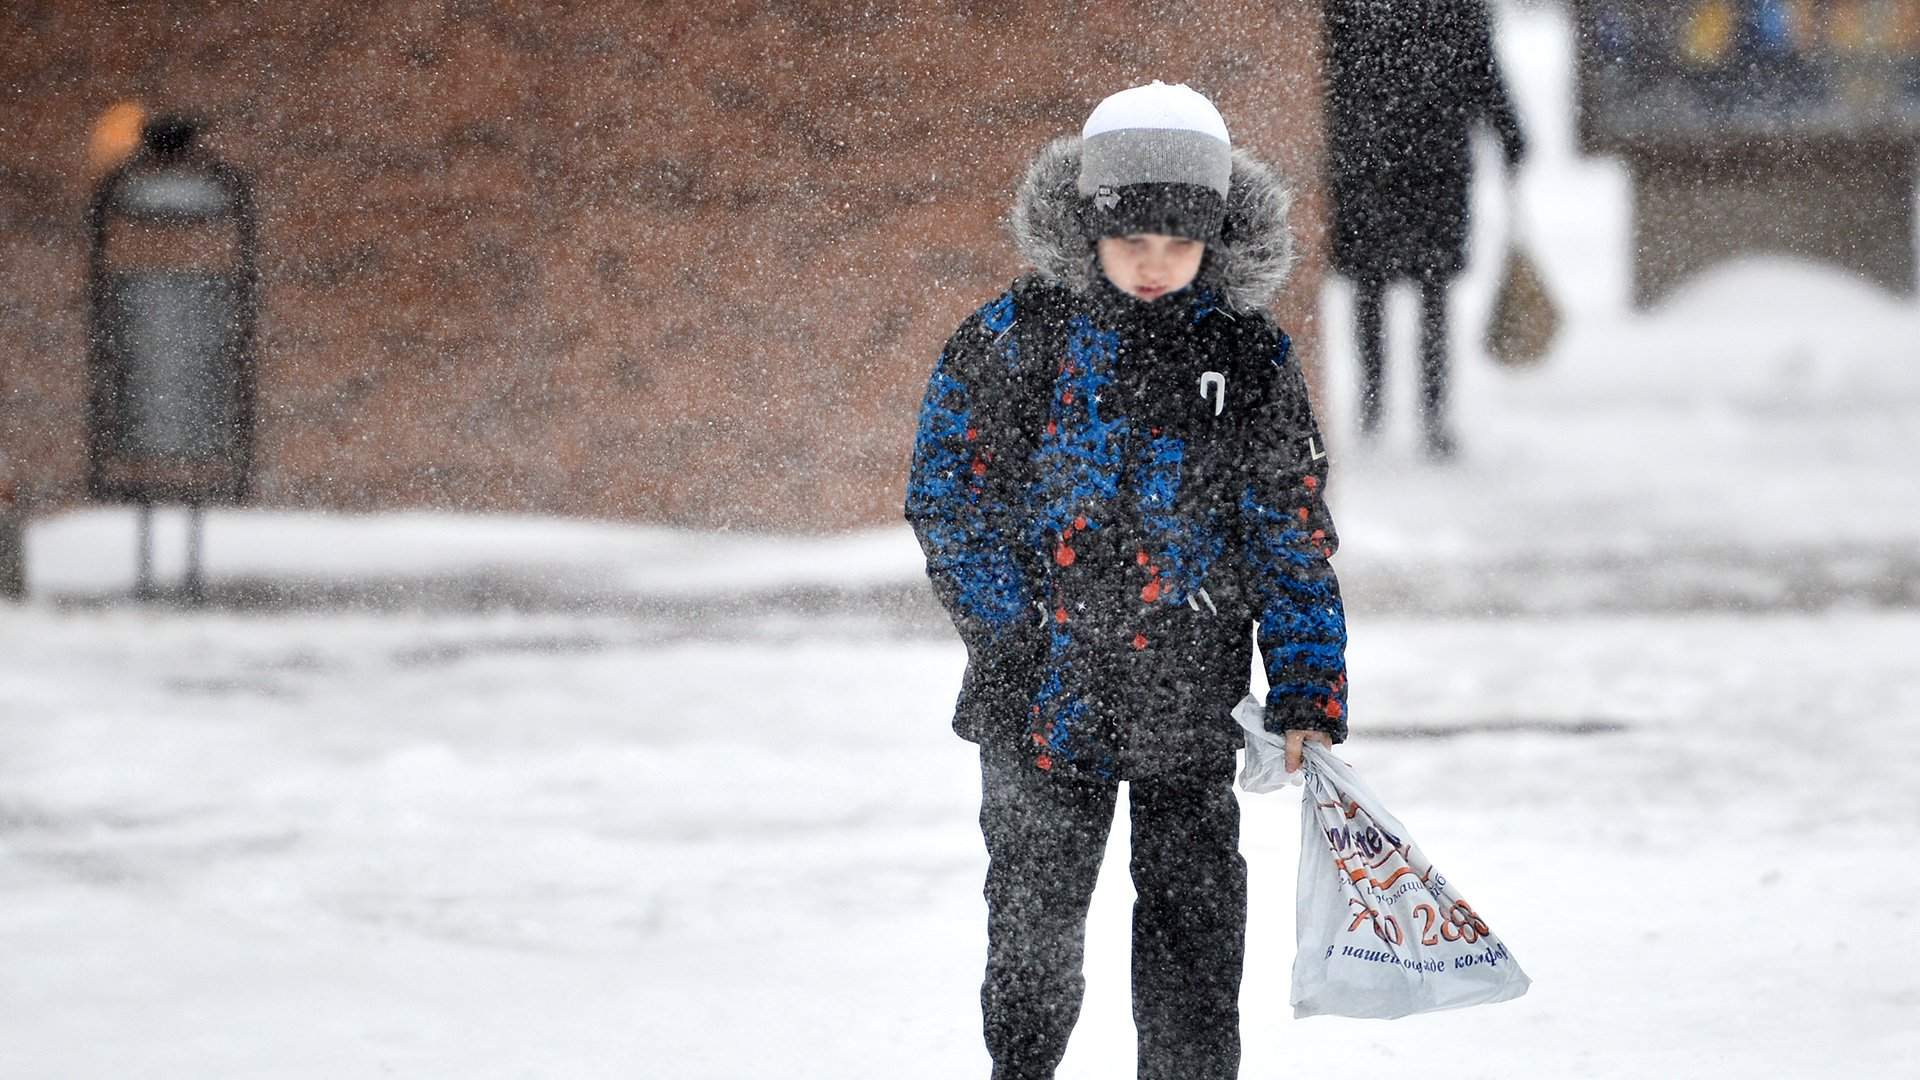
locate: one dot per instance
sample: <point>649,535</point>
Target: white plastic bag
<point>1264,768</point>
<point>1382,932</point>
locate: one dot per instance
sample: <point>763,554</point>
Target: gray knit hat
<point>1156,159</point>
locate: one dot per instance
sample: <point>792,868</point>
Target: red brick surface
<point>668,262</point>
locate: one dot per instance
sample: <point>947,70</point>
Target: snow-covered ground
<point>442,796</point>
<point>356,845</point>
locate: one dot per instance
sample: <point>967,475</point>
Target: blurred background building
<point>664,262</point>
<point>691,264</point>
<point>1782,126</point>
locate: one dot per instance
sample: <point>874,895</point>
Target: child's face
<point>1150,265</point>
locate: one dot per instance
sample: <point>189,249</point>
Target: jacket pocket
<point>998,687</point>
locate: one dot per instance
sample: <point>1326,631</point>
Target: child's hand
<point>1296,737</point>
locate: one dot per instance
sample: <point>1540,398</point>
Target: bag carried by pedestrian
<point>1525,320</point>
<point>1382,932</point>
<point>1263,767</point>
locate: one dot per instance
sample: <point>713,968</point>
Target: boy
<point>1117,479</point>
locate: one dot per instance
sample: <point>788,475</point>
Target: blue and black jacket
<point>1118,500</point>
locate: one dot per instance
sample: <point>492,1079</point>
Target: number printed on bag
<point>1459,924</point>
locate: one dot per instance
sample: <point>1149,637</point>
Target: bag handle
<point>1518,232</point>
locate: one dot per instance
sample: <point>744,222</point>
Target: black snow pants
<point>1045,835</point>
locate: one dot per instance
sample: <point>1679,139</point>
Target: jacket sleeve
<point>1496,104</point>
<point>1287,540</point>
<point>965,530</point>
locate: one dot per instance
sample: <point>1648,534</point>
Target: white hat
<point>1156,158</point>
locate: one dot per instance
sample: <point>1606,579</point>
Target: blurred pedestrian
<point>1117,477</point>
<point>1406,82</point>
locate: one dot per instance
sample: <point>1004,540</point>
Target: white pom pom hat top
<point>1157,105</point>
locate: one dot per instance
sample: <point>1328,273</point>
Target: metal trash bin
<point>174,289</point>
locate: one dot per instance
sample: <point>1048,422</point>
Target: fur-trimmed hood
<point>1247,266</point>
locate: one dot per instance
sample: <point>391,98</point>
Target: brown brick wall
<point>669,262</point>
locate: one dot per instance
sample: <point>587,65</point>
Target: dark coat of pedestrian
<point>1407,81</point>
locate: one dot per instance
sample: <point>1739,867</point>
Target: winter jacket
<point>1406,82</point>
<point>1112,495</point>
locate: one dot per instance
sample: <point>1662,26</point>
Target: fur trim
<point>1045,220</point>
<point>1248,265</point>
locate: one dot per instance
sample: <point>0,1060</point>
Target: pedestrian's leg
<point>1433,367</point>
<point>1368,296</point>
<point>1189,923</point>
<point>1045,835</point>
